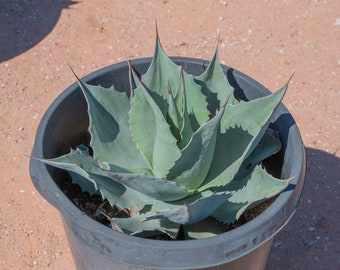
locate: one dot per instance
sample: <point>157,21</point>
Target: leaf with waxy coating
<point>174,115</point>
<point>151,133</point>
<point>80,162</point>
<point>256,187</point>
<point>267,147</point>
<point>84,184</point>
<point>186,129</point>
<point>207,227</point>
<point>193,209</point>
<point>192,167</point>
<point>134,79</point>
<point>178,150</point>
<point>110,135</point>
<point>163,72</point>
<point>157,188</point>
<point>242,127</point>
<point>215,85</point>
<point>138,225</point>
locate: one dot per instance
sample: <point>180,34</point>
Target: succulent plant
<point>178,152</point>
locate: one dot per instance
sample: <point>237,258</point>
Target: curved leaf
<point>194,209</point>
<point>192,167</point>
<point>175,120</point>
<point>242,127</point>
<point>156,188</point>
<point>267,147</point>
<point>228,157</point>
<point>185,129</point>
<point>251,190</point>
<point>84,184</point>
<point>207,227</point>
<point>152,134</point>
<point>134,79</point>
<point>81,163</point>
<point>196,103</point>
<point>110,135</point>
<point>138,225</point>
<point>215,85</point>
<point>163,72</point>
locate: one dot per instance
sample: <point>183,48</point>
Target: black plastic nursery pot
<point>95,246</point>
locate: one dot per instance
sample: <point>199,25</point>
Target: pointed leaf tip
<point>73,71</point>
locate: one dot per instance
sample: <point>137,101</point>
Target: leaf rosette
<point>179,148</point>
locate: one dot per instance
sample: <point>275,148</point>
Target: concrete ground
<point>267,40</point>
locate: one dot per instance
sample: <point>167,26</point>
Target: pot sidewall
<point>65,123</point>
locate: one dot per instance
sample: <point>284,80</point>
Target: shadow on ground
<point>311,239</point>
<point>24,23</point>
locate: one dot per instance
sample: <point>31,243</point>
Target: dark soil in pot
<point>100,210</point>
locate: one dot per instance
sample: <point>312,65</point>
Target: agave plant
<point>178,151</point>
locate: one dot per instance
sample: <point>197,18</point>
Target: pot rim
<point>275,216</point>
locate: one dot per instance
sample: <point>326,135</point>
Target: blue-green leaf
<point>152,134</point>
<point>138,225</point>
<point>267,147</point>
<point>205,228</point>
<point>254,116</point>
<point>81,163</point>
<point>196,104</point>
<point>175,120</point>
<point>193,209</point>
<point>215,85</point>
<point>110,135</point>
<point>134,79</point>
<point>228,157</point>
<point>163,72</point>
<point>84,184</point>
<point>253,189</point>
<point>192,167</point>
<point>242,127</point>
<point>186,129</point>
<point>156,188</point>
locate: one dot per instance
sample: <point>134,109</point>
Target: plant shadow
<point>24,23</point>
<point>310,239</point>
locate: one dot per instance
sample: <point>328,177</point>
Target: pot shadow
<point>24,23</point>
<point>311,238</point>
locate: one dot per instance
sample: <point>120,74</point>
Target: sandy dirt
<point>267,40</point>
